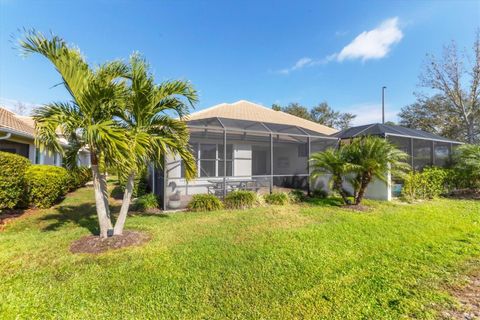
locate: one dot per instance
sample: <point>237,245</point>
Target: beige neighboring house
<point>17,135</point>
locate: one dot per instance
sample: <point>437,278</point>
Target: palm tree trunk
<point>103,220</point>
<point>337,184</point>
<point>365,180</point>
<point>103,185</point>
<point>127,196</point>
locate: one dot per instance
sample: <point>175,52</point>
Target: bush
<point>140,186</point>
<point>45,185</point>
<point>240,199</point>
<point>428,184</point>
<point>296,196</point>
<point>78,177</point>
<point>205,202</point>
<point>12,179</point>
<point>280,198</point>
<point>467,166</point>
<point>147,201</point>
<point>319,194</point>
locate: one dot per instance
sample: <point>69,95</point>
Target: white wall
<point>242,167</point>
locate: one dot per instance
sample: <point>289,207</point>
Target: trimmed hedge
<point>240,199</point>
<point>280,198</point>
<point>205,202</point>
<point>45,185</point>
<point>12,179</point>
<point>78,177</point>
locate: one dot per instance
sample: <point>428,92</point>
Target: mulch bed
<point>465,194</point>
<point>356,207</point>
<point>469,298</point>
<point>95,244</point>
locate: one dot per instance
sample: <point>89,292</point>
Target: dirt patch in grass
<point>468,297</point>
<point>95,244</point>
<point>356,207</point>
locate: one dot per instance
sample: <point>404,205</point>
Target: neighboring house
<point>17,135</point>
<point>243,145</point>
<point>247,146</point>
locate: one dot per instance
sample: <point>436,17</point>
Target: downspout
<point>6,137</point>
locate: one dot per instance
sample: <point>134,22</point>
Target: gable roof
<point>379,129</point>
<point>16,124</point>
<point>246,110</point>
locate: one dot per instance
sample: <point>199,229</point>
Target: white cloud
<point>373,44</point>
<point>14,105</point>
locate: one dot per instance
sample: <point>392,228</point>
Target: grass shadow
<point>325,202</point>
<point>83,215</point>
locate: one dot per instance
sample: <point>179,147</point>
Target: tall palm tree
<point>333,162</point>
<point>374,157</point>
<point>87,120</point>
<point>152,131</point>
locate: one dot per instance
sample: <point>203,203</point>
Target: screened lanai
<point>423,148</point>
<point>234,154</point>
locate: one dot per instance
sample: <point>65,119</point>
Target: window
<point>38,156</point>
<point>209,158</point>
<point>303,150</point>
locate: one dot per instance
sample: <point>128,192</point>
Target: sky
<point>267,52</point>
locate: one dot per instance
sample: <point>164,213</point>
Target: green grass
<point>298,261</point>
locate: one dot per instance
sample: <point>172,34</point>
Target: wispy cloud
<point>372,44</point>
<point>370,113</point>
<point>17,105</point>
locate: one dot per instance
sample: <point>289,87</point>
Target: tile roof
<point>379,129</point>
<point>246,110</point>
<point>16,124</point>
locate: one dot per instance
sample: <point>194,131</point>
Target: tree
<point>325,115</point>
<point>297,110</point>
<point>322,113</point>
<point>152,132</point>
<point>373,157</point>
<point>86,120</point>
<point>333,162</point>
<point>448,76</point>
<point>467,164</point>
<point>432,115</point>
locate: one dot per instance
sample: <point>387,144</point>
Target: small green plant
<point>240,199</point>
<point>428,184</point>
<point>146,202</point>
<point>12,179</point>
<point>45,185</point>
<point>78,177</point>
<point>319,194</point>
<point>204,202</point>
<point>280,198</point>
<point>296,196</point>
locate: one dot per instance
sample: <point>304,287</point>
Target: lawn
<point>300,261</point>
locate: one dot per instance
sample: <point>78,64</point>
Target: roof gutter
<point>421,138</point>
<point>6,137</point>
<point>17,133</point>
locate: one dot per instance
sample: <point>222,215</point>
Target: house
<point>17,135</point>
<point>424,149</point>
<point>243,145</point>
<point>246,146</point>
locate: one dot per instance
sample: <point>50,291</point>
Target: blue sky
<point>267,52</point>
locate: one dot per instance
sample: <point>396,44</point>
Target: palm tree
<point>374,157</point>
<point>334,162</point>
<point>87,120</point>
<point>151,130</point>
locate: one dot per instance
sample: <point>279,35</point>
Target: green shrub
<point>12,179</point>
<point>467,166</point>
<point>147,201</point>
<point>240,199</point>
<point>140,186</point>
<point>204,202</point>
<point>78,177</point>
<point>45,185</point>
<point>428,184</point>
<point>319,194</point>
<point>296,196</point>
<point>280,198</point>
